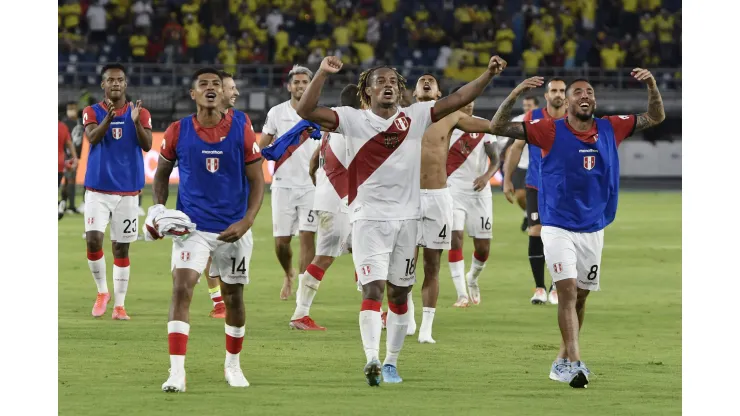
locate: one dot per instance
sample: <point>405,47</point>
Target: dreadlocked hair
<point>365,79</point>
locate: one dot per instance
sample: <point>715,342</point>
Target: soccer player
<point>518,178</point>
<point>384,154</point>
<point>471,162</point>
<point>579,185</point>
<point>292,190</point>
<point>435,232</point>
<point>329,172</point>
<point>231,93</point>
<point>555,109</point>
<point>73,121</point>
<point>221,189</point>
<point>65,141</point>
<point>118,131</point>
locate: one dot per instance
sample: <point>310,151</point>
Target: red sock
<point>481,259</point>
<point>398,309</point>
<point>234,339</point>
<point>370,305</point>
<point>94,256</point>
<point>178,337</point>
<point>315,271</point>
<point>453,256</point>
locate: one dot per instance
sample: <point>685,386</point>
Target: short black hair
<point>577,80</point>
<point>350,96</point>
<point>112,66</point>
<point>533,98</point>
<point>206,70</point>
<point>225,74</point>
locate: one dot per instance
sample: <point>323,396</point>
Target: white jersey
<point>331,177</point>
<point>384,159</point>
<point>291,171</point>
<point>524,161</point>
<point>467,160</point>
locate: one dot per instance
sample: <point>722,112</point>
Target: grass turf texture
<point>492,358</point>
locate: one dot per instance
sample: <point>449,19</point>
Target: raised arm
<point>501,124</point>
<point>143,122</point>
<point>656,112</point>
<point>308,108</point>
<point>94,131</point>
<point>470,124</point>
<point>469,91</point>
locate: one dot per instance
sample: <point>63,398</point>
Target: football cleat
<point>306,324</point>
<point>119,313</point>
<point>235,377</point>
<point>540,296</point>
<point>553,296</point>
<point>176,382</point>
<point>390,374</point>
<point>372,372</point>
<point>219,311</point>
<point>101,304</point>
<point>462,302</point>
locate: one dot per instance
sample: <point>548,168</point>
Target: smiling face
<point>384,87</point>
<point>427,89</point>
<point>297,85</point>
<point>230,92</point>
<point>208,91</point>
<point>581,100</point>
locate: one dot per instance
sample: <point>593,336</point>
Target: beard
<point>584,117</point>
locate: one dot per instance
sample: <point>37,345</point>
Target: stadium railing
<point>77,74</point>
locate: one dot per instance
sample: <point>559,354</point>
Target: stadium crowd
<point>455,36</point>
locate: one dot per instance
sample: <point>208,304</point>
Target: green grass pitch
<point>490,359</point>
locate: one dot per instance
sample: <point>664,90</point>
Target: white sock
<point>396,327</point>
<point>120,283</point>
<point>476,267</point>
<point>370,329</point>
<point>175,331</point>
<point>306,293</point>
<point>411,320</point>
<point>97,268</point>
<point>427,319</point>
<point>298,291</point>
<point>457,270</point>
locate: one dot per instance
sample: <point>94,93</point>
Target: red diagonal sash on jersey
<point>335,171</point>
<point>460,151</point>
<point>289,151</point>
<point>376,151</point>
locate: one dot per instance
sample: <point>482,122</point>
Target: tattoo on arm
<point>161,185</point>
<point>655,114</point>
<point>501,123</point>
<point>515,130</point>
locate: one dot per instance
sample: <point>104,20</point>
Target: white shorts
<point>384,250</point>
<point>292,211</point>
<point>334,234</point>
<point>435,228</point>
<point>122,212</point>
<point>474,214</point>
<point>230,261</point>
<point>571,255</point>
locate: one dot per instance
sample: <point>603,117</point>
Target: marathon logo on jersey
<point>117,132</point>
<point>212,164</point>
<point>589,162</point>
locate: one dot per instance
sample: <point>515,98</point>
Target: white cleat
<point>553,297</point>
<point>426,340</point>
<point>540,297</point>
<point>176,382</point>
<point>235,377</point>
<point>141,212</point>
<point>462,302</point>
<point>412,327</point>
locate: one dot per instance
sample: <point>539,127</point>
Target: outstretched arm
<point>308,108</point>
<point>501,123</point>
<point>470,124</point>
<point>656,112</point>
<point>469,91</point>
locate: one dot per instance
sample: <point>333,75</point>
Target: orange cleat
<point>306,324</point>
<point>101,304</point>
<point>119,313</point>
<point>219,311</point>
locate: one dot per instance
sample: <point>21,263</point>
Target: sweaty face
<point>114,84</point>
<point>555,95</point>
<point>581,100</point>
<point>384,87</point>
<point>230,92</point>
<point>208,91</point>
<point>298,85</point>
<point>528,105</point>
<point>426,89</point>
